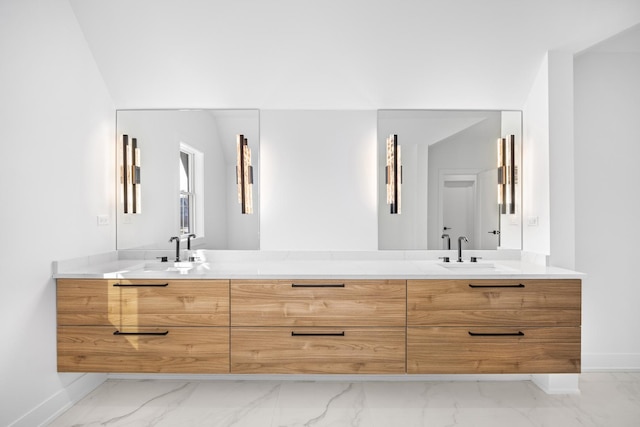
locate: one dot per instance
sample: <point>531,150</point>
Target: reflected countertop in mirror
<point>449,184</point>
<point>188,178</point>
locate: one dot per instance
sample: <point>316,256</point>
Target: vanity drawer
<point>494,302</point>
<point>87,302</point>
<point>173,302</point>
<point>143,302</point>
<point>180,350</point>
<point>454,350</point>
<point>318,350</point>
<point>318,303</point>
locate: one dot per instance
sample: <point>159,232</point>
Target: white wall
<point>535,165</point>
<point>548,176</point>
<point>607,152</point>
<point>319,169</point>
<point>561,161</point>
<point>57,124</point>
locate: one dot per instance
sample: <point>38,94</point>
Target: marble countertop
<point>269,266</point>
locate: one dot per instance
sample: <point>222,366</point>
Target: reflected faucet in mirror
<point>189,237</point>
<point>446,244</point>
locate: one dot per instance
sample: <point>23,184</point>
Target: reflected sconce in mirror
<point>130,175</point>
<point>244,175</point>
<point>507,175</point>
<point>394,175</point>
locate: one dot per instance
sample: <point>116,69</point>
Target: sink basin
<point>169,266</point>
<point>467,265</point>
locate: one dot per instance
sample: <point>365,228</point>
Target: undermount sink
<point>471,265</point>
<point>169,266</point>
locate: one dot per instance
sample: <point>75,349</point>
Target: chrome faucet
<point>448,245</point>
<point>177,240</point>
<point>460,240</point>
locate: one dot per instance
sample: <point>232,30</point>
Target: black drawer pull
<point>140,333</point>
<point>318,285</point>
<point>317,334</point>
<point>519,285</point>
<point>141,285</point>
<point>497,334</point>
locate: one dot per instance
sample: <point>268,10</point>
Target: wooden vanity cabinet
<point>318,326</point>
<point>493,326</point>
<point>179,326</point>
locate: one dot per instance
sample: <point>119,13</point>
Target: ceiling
<point>337,54</point>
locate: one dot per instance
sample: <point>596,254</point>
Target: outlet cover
<point>103,219</point>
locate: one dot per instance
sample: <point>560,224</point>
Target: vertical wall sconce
<point>244,175</point>
<point>130,175</point>
<point>394,175</point>
<point>507,175</point>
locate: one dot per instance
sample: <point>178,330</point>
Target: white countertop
<point>310,266</point>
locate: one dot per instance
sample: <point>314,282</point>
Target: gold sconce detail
<point>394,175</point>
<point>130,175</point>
<point>244,175</point>
<point>507,175</point>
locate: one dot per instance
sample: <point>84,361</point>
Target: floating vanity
<point>323,316</point>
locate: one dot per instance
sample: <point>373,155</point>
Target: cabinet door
<point>494,302</point>
<point>169,350</point>
<point>483,350</point>
<point>87,302</point>
<point>318,350</point>
<point>318,303</point>
<point>173,302</point>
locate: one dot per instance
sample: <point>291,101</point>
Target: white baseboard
<point>610,362</point>
<point>59,402</point>
<point>557,383</point>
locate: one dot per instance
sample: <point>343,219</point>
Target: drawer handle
<point>140,333</point>
<point>519,285</point>
<point>317,334</point>
<point>497,334</point>
<point>141,285</point>
<point>318,285</point>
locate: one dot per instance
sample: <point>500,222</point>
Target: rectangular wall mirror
<point>186,180</point>
<point>450,179</point>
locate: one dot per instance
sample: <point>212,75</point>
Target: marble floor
<point>606,399</point>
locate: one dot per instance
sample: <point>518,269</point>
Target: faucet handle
<point>475,258</point>
<point>444,258</point>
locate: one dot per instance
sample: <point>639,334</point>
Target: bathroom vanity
<point>318,317</point>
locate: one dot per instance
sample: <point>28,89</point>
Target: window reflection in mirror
<point>449,184</point>
<point>190,179</point>
<point>188,191</point>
